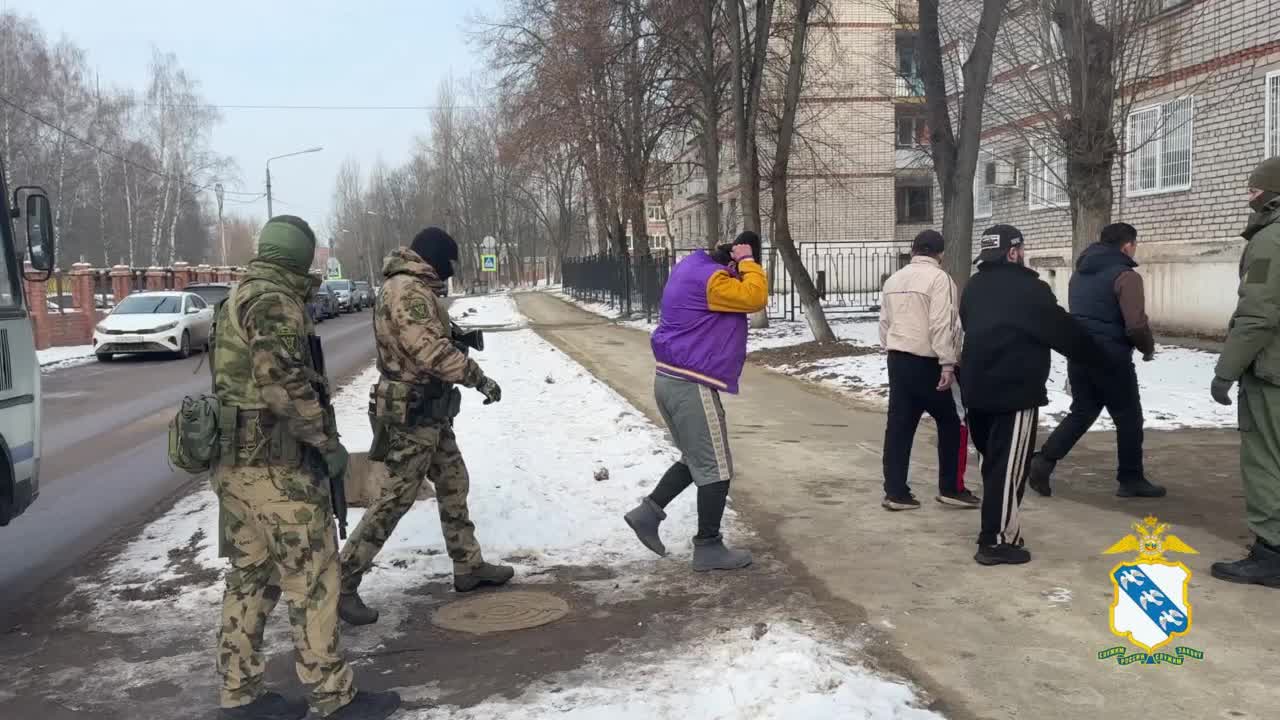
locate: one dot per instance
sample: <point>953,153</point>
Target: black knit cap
<point>438,249</point>
<point>928,242</point>
<point>746,237</point>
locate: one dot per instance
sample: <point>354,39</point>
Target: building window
<point>1047,181</point>
<point>1159,142</point>
<point>915,204</point>
<point>982,188</point>
<point>1273,114</point>
<point>911,131</point>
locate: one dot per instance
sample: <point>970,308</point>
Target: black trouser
<point>1115,389</point>
<point>1005,441</point>
<point>912,392</point>
<point>712,497</point>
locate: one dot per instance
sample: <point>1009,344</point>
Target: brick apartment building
<point>1208,114</point>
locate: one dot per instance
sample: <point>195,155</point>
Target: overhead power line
<point>158,173</point>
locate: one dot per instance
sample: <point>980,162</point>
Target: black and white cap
<point>996,241</point>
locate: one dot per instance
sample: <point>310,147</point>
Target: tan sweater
<point>918,312</point>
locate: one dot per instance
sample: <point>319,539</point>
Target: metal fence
<point>848,276</point>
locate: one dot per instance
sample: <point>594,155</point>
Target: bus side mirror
<point>40,232</point>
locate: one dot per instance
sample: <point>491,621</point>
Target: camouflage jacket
<point>411,326</point>
<point>262,359</point>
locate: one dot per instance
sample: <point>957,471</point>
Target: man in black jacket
<point>1011,320</point>
<point>1106,297</point>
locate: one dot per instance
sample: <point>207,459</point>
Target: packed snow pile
<point>57,358</point>
<point>497,310</point>
<point>785,674</point>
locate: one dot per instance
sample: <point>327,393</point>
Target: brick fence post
<point>155,278</point>
<point>82,297</point>
<point>181,275</point>
<point>37,301</point>
<point>121,282</point>
<point>204,273</point>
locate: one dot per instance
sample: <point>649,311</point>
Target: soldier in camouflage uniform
<point>276,518</point>
<point>416,402</point>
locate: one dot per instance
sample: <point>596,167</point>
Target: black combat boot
<point>353,611</point>
<point>368,706</point>
<point>1039,474</point>
<point>486,574</point>
<point>1139,487</point>
<point>1002,554</point>
<point>268,706</point>
<point>1262,567</point>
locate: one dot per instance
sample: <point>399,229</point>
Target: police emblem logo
<point>1151,606</point>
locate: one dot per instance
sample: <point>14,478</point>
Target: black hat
<point>747,237</point>
<point>996,241</point>
<point>928,242</point>
<point>438,250</point>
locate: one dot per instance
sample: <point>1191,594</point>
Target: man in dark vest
<point>1106,297</point>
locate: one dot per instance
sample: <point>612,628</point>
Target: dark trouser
<point>912,383</point>
<point>1005,441</point>
<point>1091,391</point>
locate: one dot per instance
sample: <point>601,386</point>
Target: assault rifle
<point>337,485</point>
<point>466,340</point>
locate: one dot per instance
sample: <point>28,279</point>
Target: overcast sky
<point>285,52</point>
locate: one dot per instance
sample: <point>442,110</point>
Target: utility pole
<point>270,211</point>
<point>222,229</point>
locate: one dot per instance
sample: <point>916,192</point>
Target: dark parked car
<point>211,293</point>
<point>344,292</point>
<point>327,304</point>
<point>364,293</point>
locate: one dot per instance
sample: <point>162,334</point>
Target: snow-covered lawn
<point>540,501</point>
<point>490,311</point>
<point>1174,386</point>
<point>56,358</point>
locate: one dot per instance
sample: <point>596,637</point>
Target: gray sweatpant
<point>695,418</point>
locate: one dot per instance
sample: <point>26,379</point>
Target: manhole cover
<point>501,612</point>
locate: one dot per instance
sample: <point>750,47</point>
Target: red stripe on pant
<point>964,456</point>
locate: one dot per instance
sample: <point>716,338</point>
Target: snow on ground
<point>57,358</point>
<point>1174,385</point>
<point>536,501</point>
<point>784,674</point>
<point>496,310</point>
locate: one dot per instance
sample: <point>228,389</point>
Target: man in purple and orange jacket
<point>700,347</point>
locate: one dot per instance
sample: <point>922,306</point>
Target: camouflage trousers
<point>279,533</point>
<point>423,451</point>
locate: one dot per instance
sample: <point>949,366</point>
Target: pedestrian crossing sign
<point>489,263</point>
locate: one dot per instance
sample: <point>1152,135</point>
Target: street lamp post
<point>367,248</point>
<point>222,230</point>
<point>270,213</point>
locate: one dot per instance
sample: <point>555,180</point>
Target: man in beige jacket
<point>920,329</point>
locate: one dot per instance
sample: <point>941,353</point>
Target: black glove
<point>336,459</point>
<point>490,390</point>
<point>1220,389</point>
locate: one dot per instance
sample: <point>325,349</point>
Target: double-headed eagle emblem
<point>1150,542</point>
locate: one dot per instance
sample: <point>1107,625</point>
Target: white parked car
<point>169,321</point>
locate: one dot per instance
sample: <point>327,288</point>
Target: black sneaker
<point>900,502</point>
<point>1039,472</point>
<point>1002,554</point>
<point>267,706</point>
<point>1141,487</point>
<point>962,499</point>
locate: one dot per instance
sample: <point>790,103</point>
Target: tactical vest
<point>250,433</point>
<point>1093,301</point>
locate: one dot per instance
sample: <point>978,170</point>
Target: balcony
<point>911,158</point>
<point>695,187</point>
<point>908,88</point>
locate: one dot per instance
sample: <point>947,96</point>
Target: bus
<point>19,368</point>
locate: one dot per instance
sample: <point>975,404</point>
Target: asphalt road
<point>105,466</point>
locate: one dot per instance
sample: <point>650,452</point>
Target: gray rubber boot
<point>644,520</point>
<point>711,554</point>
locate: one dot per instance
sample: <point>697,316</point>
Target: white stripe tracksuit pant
<point>1005,442</point>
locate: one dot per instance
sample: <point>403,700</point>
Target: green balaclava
<point>288,241</point>
<point>1266,177</point>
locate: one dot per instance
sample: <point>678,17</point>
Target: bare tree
<point>954,147</point>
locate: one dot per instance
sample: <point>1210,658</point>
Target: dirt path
<point>990,642</point>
